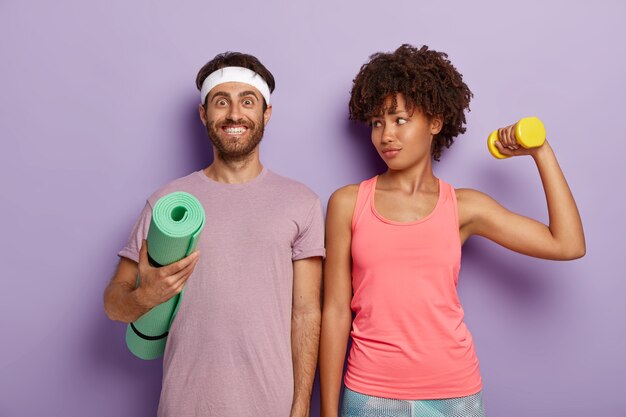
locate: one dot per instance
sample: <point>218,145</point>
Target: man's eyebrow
<point>227,95</point>
<point>248,93</point>
<point>220,94</point>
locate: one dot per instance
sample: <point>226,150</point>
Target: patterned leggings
<point>361,405</point>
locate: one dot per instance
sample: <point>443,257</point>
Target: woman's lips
<point>391,152</point>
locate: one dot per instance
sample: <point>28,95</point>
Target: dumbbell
<point>529,133</point>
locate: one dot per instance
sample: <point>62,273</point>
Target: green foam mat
<point>177,221</point>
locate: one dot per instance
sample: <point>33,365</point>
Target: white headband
<point>238,75</point>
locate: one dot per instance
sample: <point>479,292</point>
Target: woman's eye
<point>375,123</point>
<point>401,121</point>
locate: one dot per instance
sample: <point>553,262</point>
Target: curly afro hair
<point>426,79</point>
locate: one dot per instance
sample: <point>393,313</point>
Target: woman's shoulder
<point>348,193</point>
<point>471,197</point>
<point>474,205</point>
<point>344,196</point>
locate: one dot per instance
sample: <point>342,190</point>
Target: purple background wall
<point>98,108</point>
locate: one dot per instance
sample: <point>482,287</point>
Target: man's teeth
<point>235,130</point>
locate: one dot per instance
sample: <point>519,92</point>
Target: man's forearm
<point>305,334</point>
<point>122,304</point>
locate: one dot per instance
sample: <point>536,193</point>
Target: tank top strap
<point>362,200</point>
<point>449,196</point>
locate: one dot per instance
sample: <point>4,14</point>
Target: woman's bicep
<point>485,217</point>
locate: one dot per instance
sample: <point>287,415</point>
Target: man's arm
<point>305,330</point>
<point>125,302</point>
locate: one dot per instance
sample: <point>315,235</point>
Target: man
<point>245,340</point>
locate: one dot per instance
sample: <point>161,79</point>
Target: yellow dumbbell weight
<point>529,133</point>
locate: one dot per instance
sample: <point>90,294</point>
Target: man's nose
<point>234,112</point>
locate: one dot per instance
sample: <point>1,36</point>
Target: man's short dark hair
<point>236,59</point>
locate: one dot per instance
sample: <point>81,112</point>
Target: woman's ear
<point>436,124</point>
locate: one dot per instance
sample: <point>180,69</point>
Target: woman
<point>394,247</point>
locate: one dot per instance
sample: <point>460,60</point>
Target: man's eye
<point>248,102</point>
<point>222,102</point>
<point>401,120</point>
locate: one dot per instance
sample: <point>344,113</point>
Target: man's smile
<point>234,130</point>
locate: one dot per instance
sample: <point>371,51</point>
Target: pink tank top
<point>409,340</point>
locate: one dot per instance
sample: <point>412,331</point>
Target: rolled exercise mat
<point>177,221</point>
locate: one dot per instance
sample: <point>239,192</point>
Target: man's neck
<point>234,172</point>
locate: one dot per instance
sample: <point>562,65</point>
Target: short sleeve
<point>137,235</point>
<point>310,239</point>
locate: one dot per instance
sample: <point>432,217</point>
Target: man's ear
<point>267,114</point>
<point>202,114</point>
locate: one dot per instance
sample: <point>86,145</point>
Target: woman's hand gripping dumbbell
<point>528,133</point>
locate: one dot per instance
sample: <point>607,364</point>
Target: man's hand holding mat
<point>160,284</point>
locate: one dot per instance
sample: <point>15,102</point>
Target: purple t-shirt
<point>229,348</point>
